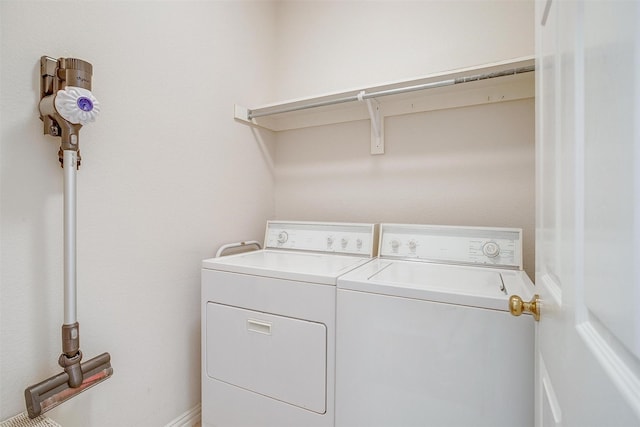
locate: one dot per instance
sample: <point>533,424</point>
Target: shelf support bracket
<point>377,124</point>
<point>241,113</point>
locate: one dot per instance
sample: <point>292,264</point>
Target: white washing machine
<point>424,333</point>
<point>268,325</point>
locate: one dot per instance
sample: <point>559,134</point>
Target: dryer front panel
<point>280,357</point>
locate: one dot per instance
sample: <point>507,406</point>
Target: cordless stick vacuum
<point>66,104</point>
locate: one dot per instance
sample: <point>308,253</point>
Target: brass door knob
<point>517,306</point>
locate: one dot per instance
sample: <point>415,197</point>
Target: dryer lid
<point>314,252</point>
<point>300,266</point>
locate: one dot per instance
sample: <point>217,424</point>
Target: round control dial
<point>491,249</point>
<point>283,236</point>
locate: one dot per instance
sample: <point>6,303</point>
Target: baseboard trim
<point>189,418</point>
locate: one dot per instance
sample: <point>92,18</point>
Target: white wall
<point>469,166</point>
<point>167,176</point>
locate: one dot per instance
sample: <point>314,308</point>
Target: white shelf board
<point>499,89</point>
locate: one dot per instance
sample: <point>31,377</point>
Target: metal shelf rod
<point>252,114</point>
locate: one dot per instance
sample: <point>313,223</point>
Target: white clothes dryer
<point>424,333</point>
<point>268,325</point>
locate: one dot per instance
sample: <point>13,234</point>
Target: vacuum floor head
<point>53,391</point>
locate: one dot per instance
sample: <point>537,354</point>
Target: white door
<point>588,213</point>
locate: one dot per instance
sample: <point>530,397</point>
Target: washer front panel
<point>414,363</point>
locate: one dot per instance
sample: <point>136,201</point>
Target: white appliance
<point>424,333</point>
<point>268,325</point>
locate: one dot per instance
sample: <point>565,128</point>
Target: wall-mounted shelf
<point>497,82</point>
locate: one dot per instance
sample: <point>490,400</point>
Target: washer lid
<point>301,266</point>
<point>462,285</point>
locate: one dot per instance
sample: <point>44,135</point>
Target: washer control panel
<point>345,238</point>
<point>455,245</point>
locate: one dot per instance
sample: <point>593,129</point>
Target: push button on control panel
<point>344,242</point>
<point>329,242</point>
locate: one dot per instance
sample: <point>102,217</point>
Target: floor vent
<point>23,420</point>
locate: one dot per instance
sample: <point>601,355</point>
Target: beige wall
<point>465,166</point>
<point>167,177</point>
<point>330,46</point>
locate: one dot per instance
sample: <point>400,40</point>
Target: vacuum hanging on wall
<point>66,103</point>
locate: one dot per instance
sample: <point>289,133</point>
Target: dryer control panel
<point>333,237</point>
<point>500,247</point>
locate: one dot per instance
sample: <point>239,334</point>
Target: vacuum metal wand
<point>70,161</point>
<point>71,354</point>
